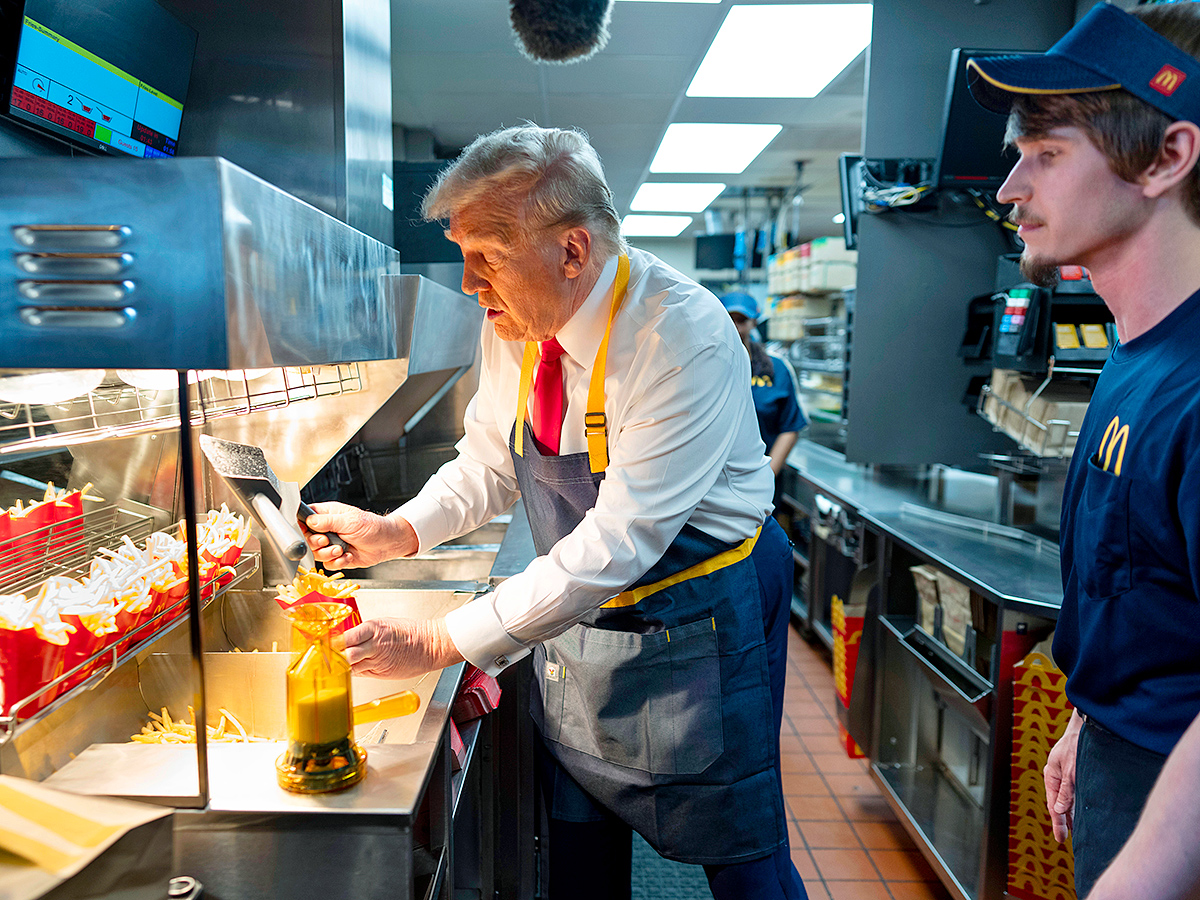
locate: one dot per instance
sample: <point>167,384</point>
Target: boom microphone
<point>560,31</point>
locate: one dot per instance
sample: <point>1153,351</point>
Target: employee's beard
<point>1039,270</point>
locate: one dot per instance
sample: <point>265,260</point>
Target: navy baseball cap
<point>1108,49</point>
<point>738,302</point>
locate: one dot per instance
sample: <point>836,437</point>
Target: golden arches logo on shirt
<point>1115,434</point>
<point>762,381</point>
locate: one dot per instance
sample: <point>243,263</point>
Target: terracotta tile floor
<point>846,842</point>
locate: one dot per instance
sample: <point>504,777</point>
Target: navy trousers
<point>591,860</point>
<point>1113,778</point>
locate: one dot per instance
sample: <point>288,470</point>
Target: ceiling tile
<point>457,72</point>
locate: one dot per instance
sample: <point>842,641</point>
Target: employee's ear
<point>577,251</point>
<point>1176,158</point>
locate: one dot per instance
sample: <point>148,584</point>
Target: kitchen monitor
<point>110,76</point>
<point>972,152</point>
<point>850,166</point>
<point>721,251</point>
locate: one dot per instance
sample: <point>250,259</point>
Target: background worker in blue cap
<point>772,386</point>
<point>1106,123</point>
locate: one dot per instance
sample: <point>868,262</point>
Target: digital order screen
<point>85,83</point>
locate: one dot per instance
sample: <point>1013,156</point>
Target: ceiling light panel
<point>782,50</point>
<point>711,147</point>
<point>677,196</point>
<point>671,1</point>
<point>654,226</point>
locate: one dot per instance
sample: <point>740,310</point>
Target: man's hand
<point>370,538</point>
<point>1060,779</point>
<point>399,648</point>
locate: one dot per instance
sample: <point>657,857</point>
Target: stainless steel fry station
<point>294,328</point>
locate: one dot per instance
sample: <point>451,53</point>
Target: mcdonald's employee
<point>772,385</point>
<point>614,400</point>
<point>1106,124</point>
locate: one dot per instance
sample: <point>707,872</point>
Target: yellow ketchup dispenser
<point>321,754</point>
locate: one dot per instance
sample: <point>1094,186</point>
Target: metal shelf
<point>68,547</point>
<point>820,365</point>
<point>823,391</point>
<point>945,825</point>
<point>117,409</point>
<point>823,631</point>
<point>124,648</point>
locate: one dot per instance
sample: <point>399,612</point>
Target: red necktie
<point>548,397</point>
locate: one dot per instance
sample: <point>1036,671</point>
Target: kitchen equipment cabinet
<point>936,722</point>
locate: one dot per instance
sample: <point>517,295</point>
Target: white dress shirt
<point>683,444</point>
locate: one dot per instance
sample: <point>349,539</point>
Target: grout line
<point>845,819</point>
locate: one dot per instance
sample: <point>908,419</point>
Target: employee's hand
<point>370,538</point>
<point>399,648</point>
<point>1060,779</point>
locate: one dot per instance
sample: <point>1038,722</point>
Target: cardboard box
<point>1060,407</point>
<point>955,598</point>
<point>925,579</point>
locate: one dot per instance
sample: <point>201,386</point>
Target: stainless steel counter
<point>397,816</point>
<point>1021,572</point>
<point>935,722</point>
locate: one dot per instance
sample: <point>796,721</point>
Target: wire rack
<point>1052,438</point>
<point>68,547</point>
<point>95,668</point>
<point>146,403</point>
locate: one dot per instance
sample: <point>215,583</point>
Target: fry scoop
<point>274,503</point>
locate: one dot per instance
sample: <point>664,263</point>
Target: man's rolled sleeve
<point>479,636</point>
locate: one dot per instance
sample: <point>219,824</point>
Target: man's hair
<point>520,180</point>
<point>1127,130</point>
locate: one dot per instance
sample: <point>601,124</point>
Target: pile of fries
<point>309,580</point>
<point>162,729</point>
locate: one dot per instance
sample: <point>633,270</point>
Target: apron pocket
<point>687,734</point>
<point>643,701</point>
<point>552,699</point>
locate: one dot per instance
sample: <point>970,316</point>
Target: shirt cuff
<point>427,519</point>
<point>479,636</point>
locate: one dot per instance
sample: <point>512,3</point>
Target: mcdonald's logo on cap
<point>1167,81</point>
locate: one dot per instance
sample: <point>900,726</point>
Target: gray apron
<point>657,704</point>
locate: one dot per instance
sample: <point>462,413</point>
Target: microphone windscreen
<point>560,31</point>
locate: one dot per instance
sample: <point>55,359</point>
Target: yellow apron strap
<point>531,358</point>
<point>595,422</point>
<point>720,561</point>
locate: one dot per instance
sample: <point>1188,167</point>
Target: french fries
<point>162,729</point>
<point>309,580</point>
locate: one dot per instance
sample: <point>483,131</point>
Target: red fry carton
<point>355,618</point>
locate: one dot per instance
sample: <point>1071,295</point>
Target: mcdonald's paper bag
<point>64,846</point>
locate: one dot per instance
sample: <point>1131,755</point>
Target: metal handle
<point>285,535</point>
<point>954,680</point>
<point>77,317</point>
<point>74,264</point>
<point>71,237</point>
<point>76,291</point>
<point>334,538</point>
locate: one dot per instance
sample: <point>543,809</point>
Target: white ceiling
<point>457,73</point>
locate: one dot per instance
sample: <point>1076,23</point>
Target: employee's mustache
<point>1019,217</point>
